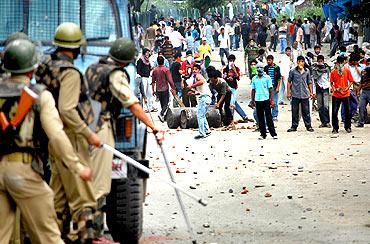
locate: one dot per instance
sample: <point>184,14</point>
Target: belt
<point>17,157</point>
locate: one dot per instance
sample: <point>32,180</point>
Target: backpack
<point>97,77</point>
<point>21,129</point>
<point>48,74</point>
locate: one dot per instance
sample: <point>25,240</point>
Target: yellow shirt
<point>203,49</point>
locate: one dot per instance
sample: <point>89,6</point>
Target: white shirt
<point>204,89</point>
<point>231,10</point>
<point>224,41</point>
<point>285,65</point>
<point>176,39</point>
<point>355,73</point>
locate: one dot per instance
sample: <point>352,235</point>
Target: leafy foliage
<point>136,4</point>
<point>204,5</point>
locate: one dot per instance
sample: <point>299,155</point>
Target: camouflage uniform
<point>65,83</point>
<point>109,85</point>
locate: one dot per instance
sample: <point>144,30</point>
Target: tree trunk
<point>136,5</point>
<point>173,117</point>
<point>188,118</point>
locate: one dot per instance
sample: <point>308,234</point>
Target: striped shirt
<point>271,73</point>
<point>282,32</point>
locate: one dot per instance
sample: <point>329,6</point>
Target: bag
<point>97,78</point>
<point>21,129</point>
<point>48,74</point>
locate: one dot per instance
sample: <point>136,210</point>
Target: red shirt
<point>186,69</point>
<point>342,82</point>
<point>162,77</point>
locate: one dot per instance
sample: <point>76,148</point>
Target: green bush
<point>304,12</point>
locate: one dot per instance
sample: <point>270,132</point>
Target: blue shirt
<point>261,86</point>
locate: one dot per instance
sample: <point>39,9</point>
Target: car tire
<point>124,210</point>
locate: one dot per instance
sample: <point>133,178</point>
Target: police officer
<point>67,86</point>
<point>11,37</point>
<point>23,119</point>
<point>110,86</point>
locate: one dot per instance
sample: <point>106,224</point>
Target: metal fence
<point>145,18</point>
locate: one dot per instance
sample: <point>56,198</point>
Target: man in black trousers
<point>262,99</point>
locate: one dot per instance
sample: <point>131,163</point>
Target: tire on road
<point>124,210</point>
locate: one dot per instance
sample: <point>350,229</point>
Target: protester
<point>158,42</point>
<point>189,41</point>
<point>300,91</point>
<point>365,95</point>
<point>208,34</point>
<point>262,99</point>
<point>161,81</point>
<point>176,72</point>
<point>204,100</point>
<point>285,66</point>
<point>283,37</point>
<point>231,73</point>
<point>187,71</point>
<point>320,76</point>
<point>306,33</point>
<point>223,39</point>
<point>340,80</point>
<point>273,70</point>
<point>223,95</point>
<point>143,68</point>
<point>150,35</point>
<point>205,48</point>
<point>250,54</point>
<point>273,33</point>
<point>167,49</point>
<point>355,68</point>
<point>176,40</point>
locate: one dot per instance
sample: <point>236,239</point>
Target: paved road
<point>319,185</point>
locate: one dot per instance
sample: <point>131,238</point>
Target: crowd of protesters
<point>178,53</point>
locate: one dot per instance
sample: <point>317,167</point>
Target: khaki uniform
<point>21,186</point>
<point>71,191</point>
<point>101,162</point>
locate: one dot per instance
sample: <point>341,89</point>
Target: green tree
<point>204,5</point>
<point>136,4</point>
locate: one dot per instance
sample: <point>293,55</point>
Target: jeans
<point>245,40</point>
<point>233,97</point>
<point>240,111</point>
<point>224,51</point>
<point>283,45</point>
<point>284,82</point>
<point>275,109</point>
<point>313,40</point>
<point>178,88</point>
<point>305,108</point>
<point>196,46</point>
<point>235,103</point>
<point>365,99</point>
<point>204,102</point>
<point>334,46</point>
<point>273,43</point>
<point>148,91</point>
<point>323,104</point>
<point>236,41</point>
<point>292,40</point>
<point>164,98</point>
<point>232,41</point>
<point>353,105</point>
<point>306,41</point>
<point>225,111</point>
<point>264,111</point>
<point>336,103</point>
